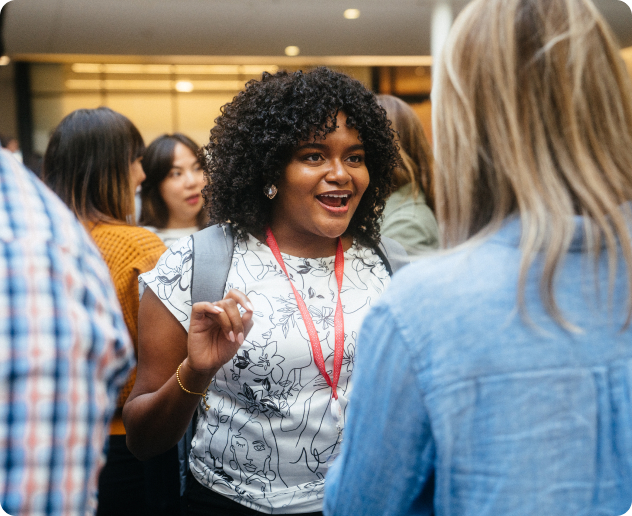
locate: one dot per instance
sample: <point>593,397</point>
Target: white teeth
<point>335,195</point>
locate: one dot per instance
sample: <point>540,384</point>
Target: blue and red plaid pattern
<point>64,352</point>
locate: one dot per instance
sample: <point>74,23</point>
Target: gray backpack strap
<point>212,255</point>
<point>392,254</point>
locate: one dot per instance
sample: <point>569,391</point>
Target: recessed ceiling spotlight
<point>292,51</point>
<point>352,14</point>
<point>184,86</point>
<point>5,60</point>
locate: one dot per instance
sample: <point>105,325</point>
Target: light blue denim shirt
<point>460,405</point>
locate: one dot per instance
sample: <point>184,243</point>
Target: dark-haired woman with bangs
<point>298,166</point>
<point>172,190</point>
<point>93,162</point>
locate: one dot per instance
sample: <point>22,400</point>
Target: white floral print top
<point>269,437</point>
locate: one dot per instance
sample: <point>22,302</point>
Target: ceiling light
<point>86,68</point>
<point>352,14</point>
<point>225,69</point>
<point>184,86</point>
<point>117,84</point>
<point>151,85</point>
<point>173,69</point>
<point>292,51</point>
<point>137,68</point>
<point>5,60</point>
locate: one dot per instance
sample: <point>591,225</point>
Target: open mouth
<point>334,200</point>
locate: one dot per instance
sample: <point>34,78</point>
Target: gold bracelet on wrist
<point>203,394</point>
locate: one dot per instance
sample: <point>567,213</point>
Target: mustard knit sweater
<point>128,251</point>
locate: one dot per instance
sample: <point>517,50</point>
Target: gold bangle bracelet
<point>203,394</point>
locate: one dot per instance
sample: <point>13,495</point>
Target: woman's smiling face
<point>321,186</point>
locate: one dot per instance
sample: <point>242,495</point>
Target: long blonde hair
<point>539,124</point>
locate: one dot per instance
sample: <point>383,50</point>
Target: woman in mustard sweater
<point>93,162</point>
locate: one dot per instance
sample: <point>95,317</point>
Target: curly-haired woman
<point>299,165</point>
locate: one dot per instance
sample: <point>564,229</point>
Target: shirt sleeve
<point>386,463</point>
<point>170,280</point>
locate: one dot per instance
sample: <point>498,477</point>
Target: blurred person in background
<point>33,160</point>
<point>299,166</point>
<point>93,162</point>
<point>408,215</point>
<point>65,352</point>
<point>496,378</point>
<point>171,194</point>
<point>12,145</point>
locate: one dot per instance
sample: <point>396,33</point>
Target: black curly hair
<point>256,133</point>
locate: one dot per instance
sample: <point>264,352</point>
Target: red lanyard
<point>339,324</point>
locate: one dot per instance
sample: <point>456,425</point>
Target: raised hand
<point>216,332</point>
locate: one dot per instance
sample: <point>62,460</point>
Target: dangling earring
<point>270,191</point>
<point>207,156</point>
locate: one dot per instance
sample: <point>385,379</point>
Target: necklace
<point>317,352</point>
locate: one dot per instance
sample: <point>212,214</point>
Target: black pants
<point>128,486</point>
<point>201,501</point>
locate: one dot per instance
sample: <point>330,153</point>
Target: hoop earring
<point>270,191</point>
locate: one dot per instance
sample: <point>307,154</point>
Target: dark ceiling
<point>235,27</point>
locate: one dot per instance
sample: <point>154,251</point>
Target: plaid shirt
<point>64,352</point>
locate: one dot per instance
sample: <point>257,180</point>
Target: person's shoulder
<point>416,280</point>
<point>127,248</point>
<point>442,280</point>
<point>177,258</point>
<point>126,230</point>
<point>182,245</point>
<point>430,269</point>
<point>126,235</point>
<point>29,209</point>
<point>364,252</point>
<point>147,240</point>
<point>42,229</point>
<point>411,211</point>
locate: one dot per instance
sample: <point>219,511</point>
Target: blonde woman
<point>496,378</point>
<point>408,215</point>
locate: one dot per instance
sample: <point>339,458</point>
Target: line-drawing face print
<point>629,4</point>
<point>250,451</point>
